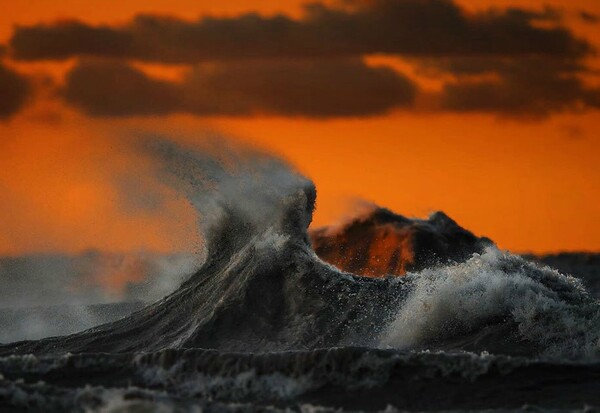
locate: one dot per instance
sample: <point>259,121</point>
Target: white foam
<point>550,309</point>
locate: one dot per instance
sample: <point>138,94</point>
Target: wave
<point>497,302</point>
<point>347,378</point>
<point>378,242</point>
<point>262,288</point>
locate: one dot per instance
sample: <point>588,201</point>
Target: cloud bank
<point>312,88</point>
<point>531,86</point>
<point>406,27</point>
<point>510,62</point>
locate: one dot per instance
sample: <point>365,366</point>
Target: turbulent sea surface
<point>265,325</point>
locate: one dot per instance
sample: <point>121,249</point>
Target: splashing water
<point>550,310</point>
<point>264,322</point>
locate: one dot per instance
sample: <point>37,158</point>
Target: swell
<point>255,293</point>
<point>348,378</point>
<point>261,286</point>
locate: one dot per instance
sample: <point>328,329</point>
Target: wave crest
<point>497,301</point>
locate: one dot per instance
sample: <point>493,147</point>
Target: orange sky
<point>529,185</point>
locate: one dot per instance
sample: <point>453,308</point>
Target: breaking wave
<point>275,322</point>
<point>497,302</point>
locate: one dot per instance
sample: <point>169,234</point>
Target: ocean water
<point>265,325</point>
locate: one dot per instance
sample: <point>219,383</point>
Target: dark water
<point>265,325</point>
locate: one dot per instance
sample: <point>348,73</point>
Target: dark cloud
<point>14,91</point>
<point>502,61</point>
<point>589,17</point>
<point>313,88</point>
<point>404,27</point>
<point>117,89</point>
<point>527,87</point>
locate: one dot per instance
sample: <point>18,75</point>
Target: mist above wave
<point>50,295</point>
<point>91,277</point>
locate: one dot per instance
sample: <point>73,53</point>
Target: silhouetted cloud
<point>117,89</point>
<point>527,87</point>
<point>404,27</point>
<point>14,90</point>
<point>589,17</point>
<point>501,61</point>
<point>314,88</point>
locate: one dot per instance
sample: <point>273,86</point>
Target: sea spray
<point>550,310</point>
<point>265,325</point>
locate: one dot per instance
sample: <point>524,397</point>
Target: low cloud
<point>312,88</point>
<point>531,87</point>
<point>511,62</point>
<point>117,89</point>
<point>589,17</point>
<point>356,27</point>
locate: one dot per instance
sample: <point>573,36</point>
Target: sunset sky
<point>487,110</point>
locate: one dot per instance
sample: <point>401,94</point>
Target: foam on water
<point>551,310</point>
<point>265,324</point>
